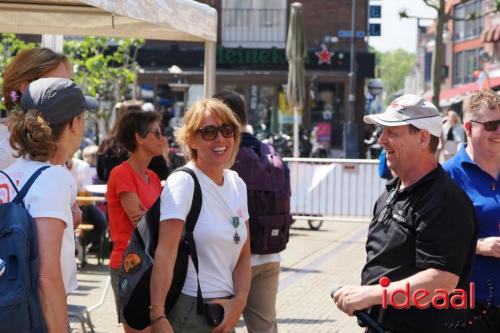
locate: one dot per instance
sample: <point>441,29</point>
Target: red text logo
<point>441,298</point>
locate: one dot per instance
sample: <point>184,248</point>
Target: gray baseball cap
<point>57,99</point>
<point>409,110</point>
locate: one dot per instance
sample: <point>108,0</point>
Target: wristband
<point>154,306</point>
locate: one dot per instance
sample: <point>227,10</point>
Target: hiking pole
<point>363,316</point>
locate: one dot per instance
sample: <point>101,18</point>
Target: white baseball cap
<point>409,110</point>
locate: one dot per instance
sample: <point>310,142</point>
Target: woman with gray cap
<point>46,133</point>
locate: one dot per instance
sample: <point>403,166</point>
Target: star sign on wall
<point>324,56</point>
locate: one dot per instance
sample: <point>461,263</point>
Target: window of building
<point>254,23</point>
<point>468,29</point>
<point>465,64</point>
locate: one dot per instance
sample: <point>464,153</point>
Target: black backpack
<point>20,309</point>
<point>268,189</point>
<point>137,263</point>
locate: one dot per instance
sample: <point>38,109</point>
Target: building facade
<point>251,60</point>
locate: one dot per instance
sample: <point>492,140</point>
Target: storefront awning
<point>457,94</point>
<point>491,35</point>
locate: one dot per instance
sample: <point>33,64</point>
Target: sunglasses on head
<point>490,126</point>
<point>209,133</point>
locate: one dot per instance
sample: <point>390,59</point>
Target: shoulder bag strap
<point>24,190</point>
<point>189,242</point>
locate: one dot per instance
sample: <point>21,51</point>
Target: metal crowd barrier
<point>333,189</point>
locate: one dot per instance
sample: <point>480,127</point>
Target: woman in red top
<point>132,187</point>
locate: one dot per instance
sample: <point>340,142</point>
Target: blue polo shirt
<point>484,191</point>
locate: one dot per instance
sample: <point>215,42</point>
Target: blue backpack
<point>20,310</point>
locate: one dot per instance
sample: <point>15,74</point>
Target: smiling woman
<point>210,138</point>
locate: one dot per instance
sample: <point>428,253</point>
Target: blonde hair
<point>32,136</point>
<point>483,98</point>
<point>30,65</point>
<point>192,122</point>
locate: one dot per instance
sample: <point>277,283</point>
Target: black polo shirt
<point>430,224</point>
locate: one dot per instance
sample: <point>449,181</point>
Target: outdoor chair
<point>82,314</point>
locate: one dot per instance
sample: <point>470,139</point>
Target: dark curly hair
<point>132,123</point>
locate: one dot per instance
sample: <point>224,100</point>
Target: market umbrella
<point>296,53</point>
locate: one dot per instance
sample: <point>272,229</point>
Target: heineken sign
<point>240,56</point>
<point>275,59</point>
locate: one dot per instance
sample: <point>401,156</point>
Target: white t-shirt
<point>80,170</point>
<point>217,252</point>
<point>51,195</point>
<point>6,158</point>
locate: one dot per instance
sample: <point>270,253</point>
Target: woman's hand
<point>232,311</point>
<point>162,326</point>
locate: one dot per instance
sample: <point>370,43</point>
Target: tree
<point>442,18</point>
<point>104,67</point>
<point>393,67</point>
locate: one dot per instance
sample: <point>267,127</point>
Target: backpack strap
<point>11,181</point>
<point>24,190</point>
<point>191,220</point>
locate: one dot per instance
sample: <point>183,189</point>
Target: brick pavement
<point>312,264</point>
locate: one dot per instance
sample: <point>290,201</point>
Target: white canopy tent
<point>180,20</point>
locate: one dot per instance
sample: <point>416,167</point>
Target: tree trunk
<point>438,54</point>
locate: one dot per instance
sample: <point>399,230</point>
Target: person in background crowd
<point>47,132</point>
<point>80,170</point>
<point>453,135</point>
<point>210,138</point>
<point>423,233</point>
<point>89,155</point>
<point>111,153</point>
<point>26,67</point>
<point>476,168</point>
<point>132,187</point>
<point>260,310</point>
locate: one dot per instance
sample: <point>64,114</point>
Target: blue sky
<point>397,33</point>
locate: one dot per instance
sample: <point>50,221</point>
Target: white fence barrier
<point>327,189</point>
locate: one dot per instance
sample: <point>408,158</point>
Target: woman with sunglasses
<point>210,139</point>
<point>476,168</point>
<point>132,187</point>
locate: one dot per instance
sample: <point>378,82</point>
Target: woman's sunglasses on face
<point>490,126</point>
<point>157,132</point>
<point>209,133</point>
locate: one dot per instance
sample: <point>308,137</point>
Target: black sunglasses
<point>209,133</point>
<point>157,132</point>
<point>490,126</point>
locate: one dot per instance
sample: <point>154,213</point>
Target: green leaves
<point>393,67</point>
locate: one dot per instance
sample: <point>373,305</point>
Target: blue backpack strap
<point>11,181</point>
<point>22,193</point>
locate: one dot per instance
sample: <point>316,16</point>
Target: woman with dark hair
<point>45,134</point>
<point>132,187</point>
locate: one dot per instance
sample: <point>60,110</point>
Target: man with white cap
<point>423,233</point>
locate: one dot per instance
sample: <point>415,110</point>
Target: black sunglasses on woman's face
<point>209,133</point>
